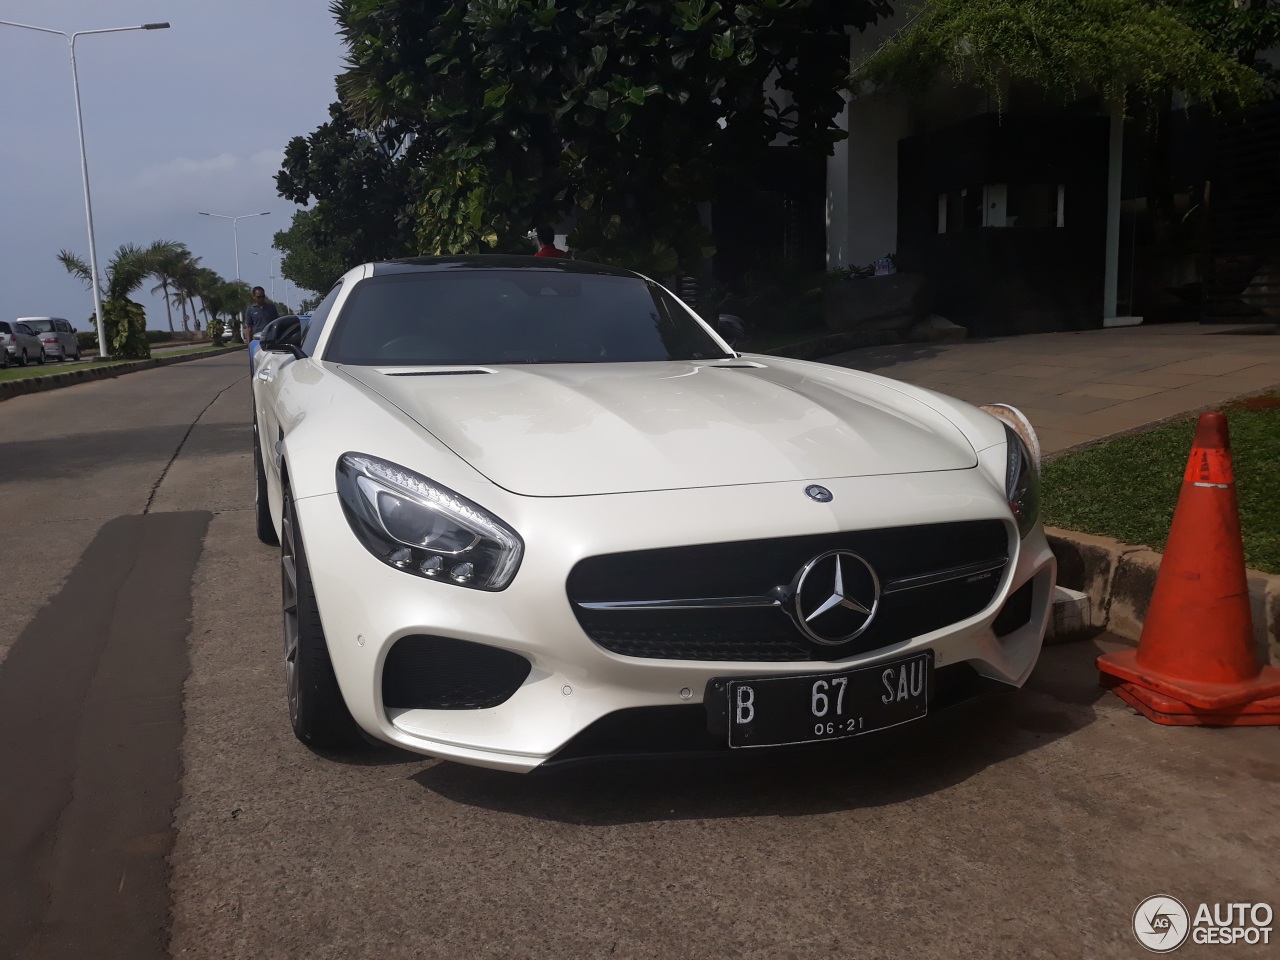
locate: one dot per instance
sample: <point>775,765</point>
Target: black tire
<point>4,358</point>
<point>317,712</point>
<point>76,356</point>
<point>40,358</point>
<point>25,359</point>
<point>266,529</point>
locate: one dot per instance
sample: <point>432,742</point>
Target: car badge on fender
<point>819,493</point>
<point>837,594</point>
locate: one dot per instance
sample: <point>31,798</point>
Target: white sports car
<point>533,510</point>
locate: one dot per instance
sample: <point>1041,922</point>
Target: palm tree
<point>169,258</point>
<point>186,283</point>
<point>124,321</point>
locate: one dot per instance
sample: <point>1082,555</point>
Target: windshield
<point>513,316</point>
<point>39,326</point>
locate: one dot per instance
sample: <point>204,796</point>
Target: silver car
<point>21,345</point>
<point>57,337</point>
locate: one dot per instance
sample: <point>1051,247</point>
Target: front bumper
<point>573,683</point>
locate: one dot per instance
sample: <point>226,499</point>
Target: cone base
<point>1175,713</point>
<point>1212,697</point>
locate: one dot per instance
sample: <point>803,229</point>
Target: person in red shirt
<point>547,244</point>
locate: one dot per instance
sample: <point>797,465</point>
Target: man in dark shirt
<point>259,314</point>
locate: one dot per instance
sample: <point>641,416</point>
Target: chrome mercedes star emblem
<point>836,594</point>
<point>817,492</point>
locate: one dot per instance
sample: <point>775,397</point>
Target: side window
<point>23,328</point>
<point>318,317</point>
<point>4,327</point>
<point>64,326</point>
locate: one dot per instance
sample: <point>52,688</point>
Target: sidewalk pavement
<point>1082,386</point>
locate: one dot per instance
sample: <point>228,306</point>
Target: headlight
<point>1021,481</point>
<point>1022,464</point>
<point>418,526</point>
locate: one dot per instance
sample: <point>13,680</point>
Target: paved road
<point>145,815</point>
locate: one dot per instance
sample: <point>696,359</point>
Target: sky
<point>176,121</point>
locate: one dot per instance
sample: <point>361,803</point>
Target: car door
<point>66,337</point>
<point>269,368</point>
<point>28,341</point>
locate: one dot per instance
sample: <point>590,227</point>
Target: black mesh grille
<point>1016,612</point>
<point>442,673</point>
<point>753,568</point>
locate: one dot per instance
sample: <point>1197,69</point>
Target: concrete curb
<point>1118,579</point>
<point>53,381</point>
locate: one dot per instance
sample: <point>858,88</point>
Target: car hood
<point>578,429</point>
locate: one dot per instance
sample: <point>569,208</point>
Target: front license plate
<point>773,711</point>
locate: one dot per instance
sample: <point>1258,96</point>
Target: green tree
<point>360,184</point>
<point>1117,48</point>
<point>124,322</point>
<point>627,113</point>
<point>168,259</point>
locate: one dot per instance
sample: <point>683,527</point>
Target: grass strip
<point>49,369</point>
<point>1127,487</point>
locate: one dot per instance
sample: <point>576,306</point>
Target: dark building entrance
<point>1006,217</point>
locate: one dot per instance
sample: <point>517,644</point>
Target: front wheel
<point>317,712</point>
<point>25,359</point>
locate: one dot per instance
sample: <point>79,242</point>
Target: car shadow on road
<point>876,771</point>
<point>74,455</point>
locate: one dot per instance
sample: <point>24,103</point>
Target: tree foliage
<point>1241,30</point>
<point>360,184</point>
<point>1117,48</point>
<point>124,322</point>
<point>509,113</point>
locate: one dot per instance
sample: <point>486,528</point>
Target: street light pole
<point>84,160</point>
<point>235,233</point>
<point>271,267</point>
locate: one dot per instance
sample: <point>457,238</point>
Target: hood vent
<point>436,373</point>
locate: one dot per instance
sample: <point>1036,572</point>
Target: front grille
<point>756,567</point>
<point>443,673</point>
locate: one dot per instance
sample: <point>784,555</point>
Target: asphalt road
<point>153,802</point>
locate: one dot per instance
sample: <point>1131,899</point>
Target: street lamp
<point>84,162</point>
<point>271,267</point>
<point>235,233</point>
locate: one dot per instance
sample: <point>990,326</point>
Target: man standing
<point>259,314</point>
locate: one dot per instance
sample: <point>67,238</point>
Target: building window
<point>1002,205</point>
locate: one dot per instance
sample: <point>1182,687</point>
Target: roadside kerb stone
<point>1119,579</point>
<point>53,381</point>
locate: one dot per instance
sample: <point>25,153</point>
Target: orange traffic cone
<point>1195,663</point>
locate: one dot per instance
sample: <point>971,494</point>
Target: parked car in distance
<point>21,345</point>
<point>57,337</point>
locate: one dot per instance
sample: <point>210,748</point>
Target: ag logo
<point>1161,924</point>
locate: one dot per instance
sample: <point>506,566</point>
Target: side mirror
<point>731,328</point>
<point>280,334</point>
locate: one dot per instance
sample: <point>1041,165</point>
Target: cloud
<point>184,169</point>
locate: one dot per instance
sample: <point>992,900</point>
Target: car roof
<point>499,262</point>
